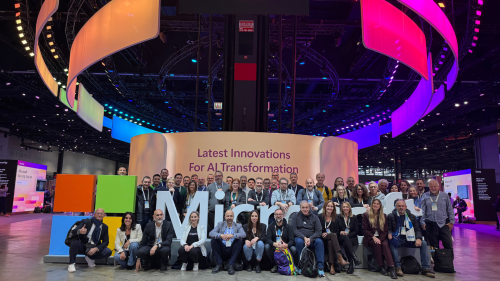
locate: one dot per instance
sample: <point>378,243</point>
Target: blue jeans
<point>424,256</point>
<point>317,245</point>
<point>131,255</point>
<point>258,251</point>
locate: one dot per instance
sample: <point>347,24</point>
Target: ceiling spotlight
<point>56,56</point>
<point>18,21</point>
<point>466,102</point>
<point>24,42</point>
<point>457,104</point>
<point>32,54</point>
<point>19,28</point>
<point>21,35</point>
<point>27,48</point>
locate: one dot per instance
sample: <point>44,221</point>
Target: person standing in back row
<point>218,185</point>
<point>3,196</point>
<point>438,217</point>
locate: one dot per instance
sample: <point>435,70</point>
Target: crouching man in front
<point>92,241</point>
<point>156,242</point>
<point>227,242</point>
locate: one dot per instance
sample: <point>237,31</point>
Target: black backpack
<point>307,263</point>
<point>443,260</point>
<point>37,210</point>
<point>410,265</point>
<point>70,237</point>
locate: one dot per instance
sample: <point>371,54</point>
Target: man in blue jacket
<point>227,242</point>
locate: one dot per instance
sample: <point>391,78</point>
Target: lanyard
<point>253,232</point>
<point>144,195</point>
<point>257,195</point>
<point>191,196</point>
<point>281,195</point>
<point>327,226</point>
<point>436,198</point>
<point>347,222</point>
<point>235,196</point>
<point>280,229</point>
<point>204,188</point>
<point>362,203</point>
<point>310,196</point>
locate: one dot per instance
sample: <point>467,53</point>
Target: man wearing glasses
<point>217,185</point>
<point>284,197</point>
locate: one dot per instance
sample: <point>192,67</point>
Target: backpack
<point>307,263</point>
<point>37,210</point>
<point>443,260</point>
<point>284,262</point>
<point>70,236</point>
<point>410,265</point>
<point>46,209</point>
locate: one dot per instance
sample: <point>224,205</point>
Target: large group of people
<point>144,239</point>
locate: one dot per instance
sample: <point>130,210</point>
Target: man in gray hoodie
<point>217,185</point>
<point>307,230</point>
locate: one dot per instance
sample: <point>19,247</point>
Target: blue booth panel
<point>58,232</point>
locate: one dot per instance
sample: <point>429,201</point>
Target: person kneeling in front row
<point>279,236</point>
<point>92,241</point>
<point>405,231</point>
<point>254,242</point>
<point>227,241</point>
<point>307,230</point>
<point>128,237</point>
<point>193,242</point>
<point>156,241</point>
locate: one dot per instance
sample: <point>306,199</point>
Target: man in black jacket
<point>258,196</point>
<point>145,202</point>
<point>404,230</point>
<point>156,242</point>
<point>294,185</point>
<point>279,235</point>
<point>92,241</point>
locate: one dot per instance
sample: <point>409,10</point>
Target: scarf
<point>97,230</point>
<point>410,231</point>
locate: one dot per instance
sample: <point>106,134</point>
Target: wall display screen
<point>463,191</point>
<point>26,196</point>
<point>484,193</point>
<point>460,183</point>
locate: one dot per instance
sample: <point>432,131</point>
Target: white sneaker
<point>71,268</point>
<point>195,267</point>
<point>184,266</point>
<point>90,262</point>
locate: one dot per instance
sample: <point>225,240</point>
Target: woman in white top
<point>127,241</point>
<point>193,242</point>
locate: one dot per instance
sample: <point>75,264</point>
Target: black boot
<point>392,272</point>
<point>249,266</point>
<point>164,267</point>
<point>230,270</point>
<point>217,268</point>
<point>383,271</point>
<point>355,259</point>
<point>350,270</point>
<point>257,267</point>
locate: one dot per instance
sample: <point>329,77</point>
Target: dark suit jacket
<point>253,194</point>
<point>263,233</point>
<point>299,188</point>
<point>241,199</point>
<point>103,239</point>
<point>149,235</point>
<point>287,236</point>
<point>353,228</point>
<point>370,231</point>
<point>334,226</point>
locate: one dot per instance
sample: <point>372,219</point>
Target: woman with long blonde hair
<point>375,228</point>
<point>348,234</point>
